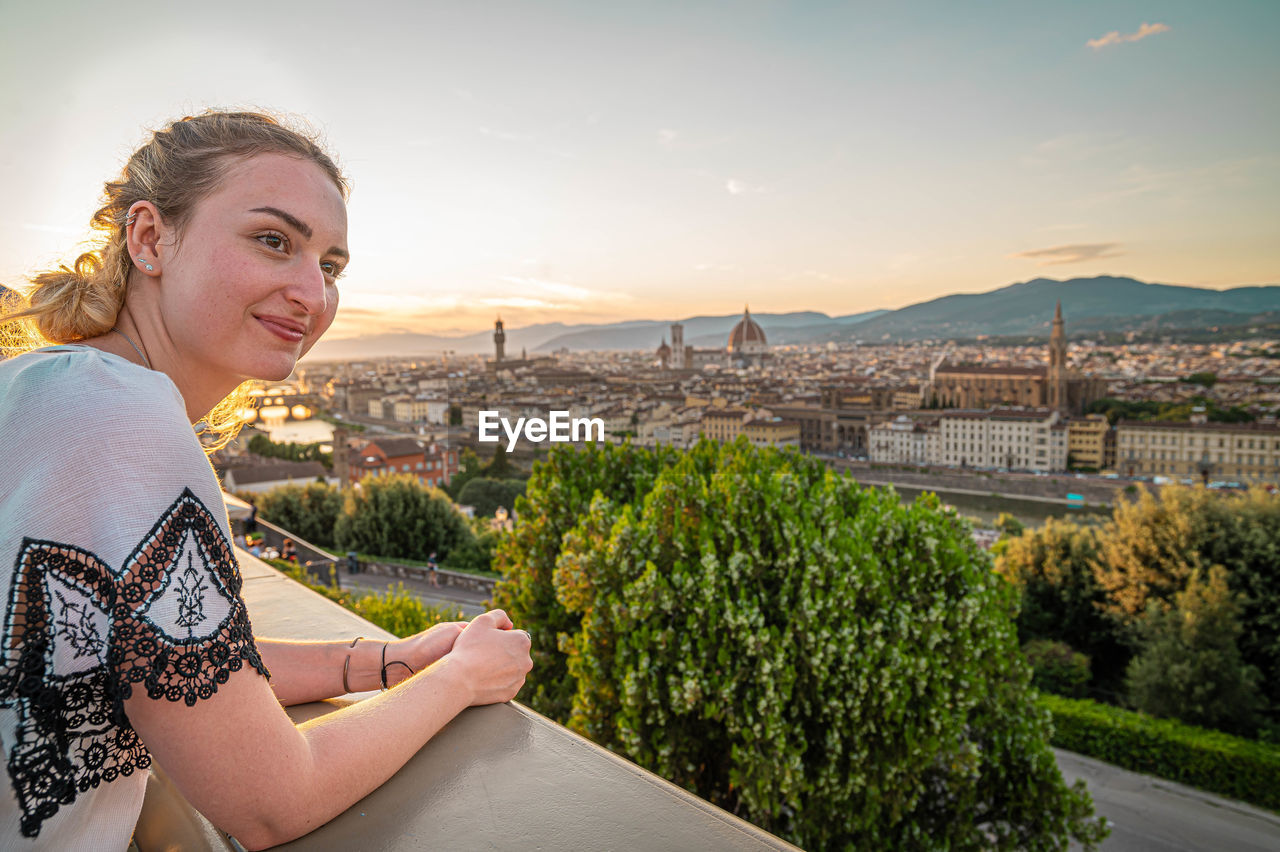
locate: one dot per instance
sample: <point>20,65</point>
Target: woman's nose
<point>308,289</point>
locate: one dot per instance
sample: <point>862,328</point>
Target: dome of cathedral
<point>664,350</point>
<point>747,335</point>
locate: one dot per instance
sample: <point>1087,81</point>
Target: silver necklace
<point>129,340</point>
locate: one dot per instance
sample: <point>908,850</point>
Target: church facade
<point>1052,386</point>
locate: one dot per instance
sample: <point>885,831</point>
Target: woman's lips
<point>283,329</point>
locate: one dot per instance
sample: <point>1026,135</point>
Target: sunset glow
<point>577,162</point>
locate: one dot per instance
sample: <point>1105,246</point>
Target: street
<point>1149,814</point>
<point>471,603</point>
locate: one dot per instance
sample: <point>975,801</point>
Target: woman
<point>125,635</point>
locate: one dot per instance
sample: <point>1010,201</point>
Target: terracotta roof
<point>395,447</point>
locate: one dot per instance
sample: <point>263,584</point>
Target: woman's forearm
<point>312,671</point>
<point>364,745</point>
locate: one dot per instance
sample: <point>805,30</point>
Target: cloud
<point>740,187</point>
<point>1114,37</point>
<point>667,137</point>
<point>1078,148</point>
<point>1076,253</point>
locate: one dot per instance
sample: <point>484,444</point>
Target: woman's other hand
<point>422,649</point>
<point>495,656</point>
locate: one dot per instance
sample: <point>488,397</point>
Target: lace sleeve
<point>79,635</point>
<point>180,627</point>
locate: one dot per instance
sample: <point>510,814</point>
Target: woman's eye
<point>331,269</point>
<point>274,241</point>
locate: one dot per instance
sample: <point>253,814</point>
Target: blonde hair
<point>174,170</point>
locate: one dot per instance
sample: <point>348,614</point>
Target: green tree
<point>476,554</point>
<point>308,511</point>
<point>1190,667</point>
<point>486,495</point>
<point>263,446</point>
<point>1057,667</point>
<point>1205,380</point>
<point>500,466</point>
<point>468,469</point>
<point>399,517</point>
<point>1053,570</point>
<point>1150,548</point>
<point>831,664</point>
<point>561,489</point>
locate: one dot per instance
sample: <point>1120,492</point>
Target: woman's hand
<point>495,657</point>
<point>421,649</point>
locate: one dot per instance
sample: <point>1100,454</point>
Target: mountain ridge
<point>1104,303</point>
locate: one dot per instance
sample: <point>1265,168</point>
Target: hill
<point>1104,303</point>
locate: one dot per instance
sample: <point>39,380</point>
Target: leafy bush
<point>1190,666</point>
<point>309,511</point>
<point>1053,570</point>
<point>399,612</point>
<point>261,445</point>
<point>475,555</point>
<point>1152,547</point>
<point>1210,760</point>
<point>486,495</point>
<point>560,490</point>
<point>1057,668</point>
<point>397,516</point>
<point>833,665</point>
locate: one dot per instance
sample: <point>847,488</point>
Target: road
<point>471,603</point>
<point>1149,814</point>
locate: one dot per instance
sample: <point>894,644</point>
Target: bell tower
<point>499,341</point>
<point>1058,362</point>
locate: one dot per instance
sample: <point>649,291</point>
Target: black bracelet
<point>385,664</point>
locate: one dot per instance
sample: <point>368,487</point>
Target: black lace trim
<point>72,732</point>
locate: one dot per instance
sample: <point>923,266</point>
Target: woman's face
<point>251,283</point>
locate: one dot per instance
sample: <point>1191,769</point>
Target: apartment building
<point>904,441</point>
<point>723,424</point>
<point>1012,438</point>
<point>1246,452</point>
<point>1087,442</point>
<point>772,432</point>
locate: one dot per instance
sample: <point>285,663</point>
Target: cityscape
<point>968,406</point>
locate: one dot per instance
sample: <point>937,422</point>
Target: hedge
<point>1213,761</point>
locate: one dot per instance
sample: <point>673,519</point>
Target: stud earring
<point>149,267</point>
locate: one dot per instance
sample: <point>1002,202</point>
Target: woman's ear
<point>144,237</point>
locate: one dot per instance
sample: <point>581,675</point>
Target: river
<point>985,508</point>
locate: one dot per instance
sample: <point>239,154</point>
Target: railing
<point>497,777</point>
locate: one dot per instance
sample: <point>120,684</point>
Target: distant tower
<point>341,457</point>
<point>1058,362</point>
<point>677,346</point>
<point>499,340</point>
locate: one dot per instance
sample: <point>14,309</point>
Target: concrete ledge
<point>497,777</point>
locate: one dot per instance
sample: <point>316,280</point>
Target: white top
<point>116,574</point>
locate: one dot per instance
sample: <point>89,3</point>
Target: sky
<point>600,161</point>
